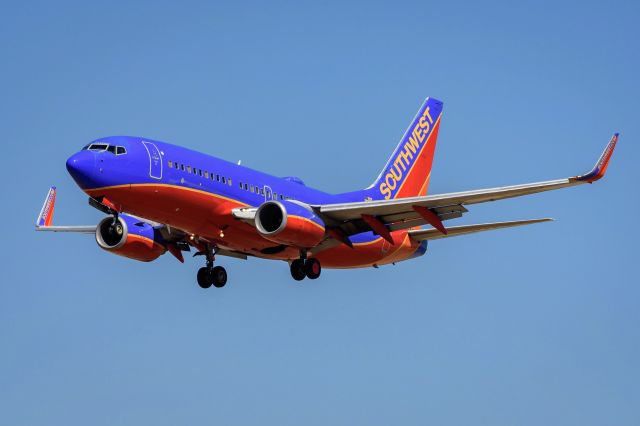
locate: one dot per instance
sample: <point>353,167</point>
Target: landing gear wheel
<point>204,277</point>
<point>312,268</point>
<point>219,276</point>
<point>297,270</point>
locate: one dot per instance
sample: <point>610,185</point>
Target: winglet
<point>600,168</point>
<point>46,214</point>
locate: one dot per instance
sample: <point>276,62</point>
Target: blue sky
<point>526,326</point>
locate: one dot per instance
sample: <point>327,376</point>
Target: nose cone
<point>82,168</point>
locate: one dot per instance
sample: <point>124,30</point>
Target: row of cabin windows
<point>199,172</point>
<point>216,177</point>
<point>261,191</point>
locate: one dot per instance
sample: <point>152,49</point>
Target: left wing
<point>382,216</point>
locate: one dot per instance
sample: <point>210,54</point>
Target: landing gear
<point>297,270</point>
<point>210,275</point>
<point>219,276</point>
<point>204,277</point>
<point>312,268</point>
<point>301,268</point>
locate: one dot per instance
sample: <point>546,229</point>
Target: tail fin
<point>408,171</point>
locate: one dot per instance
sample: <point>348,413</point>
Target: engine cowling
<point>130,237</point>
<point>290,224</point>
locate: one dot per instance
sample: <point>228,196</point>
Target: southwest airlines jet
<point>164,198</point>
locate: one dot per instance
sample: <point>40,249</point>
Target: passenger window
<point>170,164</point>
<point>189,169</point>
<point>218,178</point>
<point>182,167</point>
<point>229,181</point>
<point>240,185</point>
<point>223,180</point>
<point>206,174</point>
<point>246,187</point>
<point>200,172</point>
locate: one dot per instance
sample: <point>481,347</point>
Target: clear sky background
<point>529,326</point>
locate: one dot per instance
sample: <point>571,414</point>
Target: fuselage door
<point>155,160</point>
<point>268,193</point>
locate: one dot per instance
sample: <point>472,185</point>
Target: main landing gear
<point>211,275</point>
<point>309,268</point>
<point>216,276</point>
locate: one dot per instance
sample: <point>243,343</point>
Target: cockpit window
<point>116,150</point>
<point>98,147</point>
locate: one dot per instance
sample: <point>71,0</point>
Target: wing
<point>382,216</point>
<point>176,239</point>
<point>45,218</point>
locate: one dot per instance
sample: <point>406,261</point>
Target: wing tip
<point>45,218</point>
<point>601,165</point>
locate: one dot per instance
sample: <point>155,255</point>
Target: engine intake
<point>129,237</point>
<point>290,224</point>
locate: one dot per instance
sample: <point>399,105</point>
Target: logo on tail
<point>408,171</point>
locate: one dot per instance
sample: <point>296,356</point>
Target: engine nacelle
<point>290,224</point>
<point>130,237</point>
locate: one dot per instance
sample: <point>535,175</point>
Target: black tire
<point>312,268</point>
<point>204,277</point>
<point>297,270</point>
<point>219,276</point>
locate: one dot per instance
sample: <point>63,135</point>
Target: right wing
<point>45,218</point>
<point>171,235</point>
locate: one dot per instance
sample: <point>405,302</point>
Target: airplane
<point>162,198</point>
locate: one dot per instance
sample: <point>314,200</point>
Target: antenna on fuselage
<point>239,162</point>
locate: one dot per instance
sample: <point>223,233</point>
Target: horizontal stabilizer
<point>452,231</point>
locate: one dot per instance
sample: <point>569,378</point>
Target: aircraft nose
<point>81,167</point>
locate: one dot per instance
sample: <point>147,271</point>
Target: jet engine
<point>290,224</point>
<point>130,237</point>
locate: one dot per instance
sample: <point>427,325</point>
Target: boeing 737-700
<point>165,198</point>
